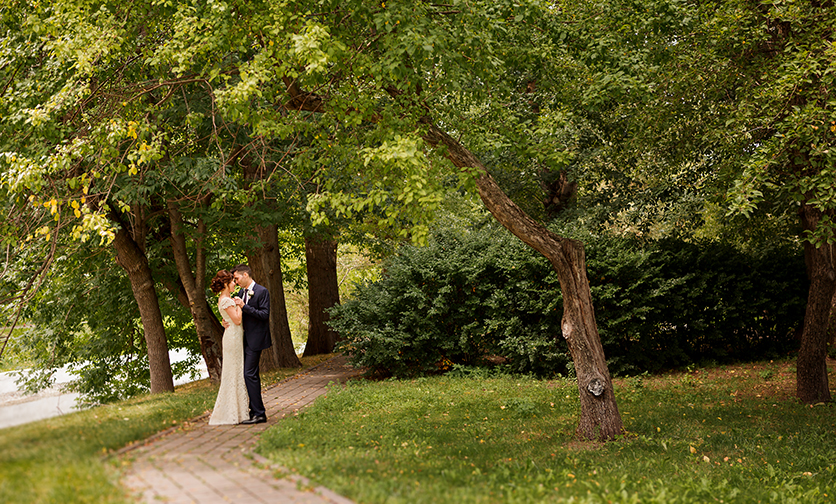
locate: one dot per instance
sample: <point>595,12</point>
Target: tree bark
<point>177,289</point>
<point>132,259</point>
<point>811,369</point>
<point>600,418</point>
<point>266,264</point>
<point>323,293</point>
<point>194,284</point>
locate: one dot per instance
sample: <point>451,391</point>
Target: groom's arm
<point>260,308</point>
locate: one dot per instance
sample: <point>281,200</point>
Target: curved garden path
<point>204,464</point>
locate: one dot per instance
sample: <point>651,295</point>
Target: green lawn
<point>63,459</point>
<point>729,434</point>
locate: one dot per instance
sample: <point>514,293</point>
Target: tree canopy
<point>133,125</point>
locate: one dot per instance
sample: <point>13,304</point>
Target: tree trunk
<point>266,264</point>
<point>195,287</point>
<point>811,370</point>
<point>831,327</point>
<point>323,292</point>
<point>177,289</point>
<point>132,259</point>
<point>600,418</point>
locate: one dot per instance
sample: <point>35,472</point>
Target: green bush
<point>470,295</point>
<point>670,303</point>
<point>463,297</point>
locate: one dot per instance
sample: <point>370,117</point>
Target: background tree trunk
<point>266,264</point>
<point>132,259</point>
<point>178,291</point>
<point>323,292</point>
<point>600,418</point>
<point>195,287</point>
<point>811,375</point>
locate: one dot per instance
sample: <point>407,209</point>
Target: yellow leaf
<point>693,450</point>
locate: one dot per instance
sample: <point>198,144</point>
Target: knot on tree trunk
<point>566,329</point>
<point>596,387</point>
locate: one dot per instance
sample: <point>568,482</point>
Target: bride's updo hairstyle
<point>221,280</point>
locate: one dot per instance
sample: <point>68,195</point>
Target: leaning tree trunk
<point>811,369</point>
<point>323,292</point>
<point>599,418</point>
<point>266,264</point>
<point>195,287</point>
<point>132,259</point>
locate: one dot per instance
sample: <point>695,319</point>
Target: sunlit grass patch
<point>508,439</point>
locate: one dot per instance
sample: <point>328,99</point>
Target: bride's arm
<point>234,313</point>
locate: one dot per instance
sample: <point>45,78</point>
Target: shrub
<point>671,303</point>
<point>463,297</point>
<point>469,295</point>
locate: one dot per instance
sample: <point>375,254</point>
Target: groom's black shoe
<point>255,420</point>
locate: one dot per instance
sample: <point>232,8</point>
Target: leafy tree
<point>422,64</point>
<point>779,61</point>
<point>88,133</point>
<point>730,101</point>
<point>381,88</point>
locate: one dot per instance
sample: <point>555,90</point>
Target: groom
<point>254,301</point>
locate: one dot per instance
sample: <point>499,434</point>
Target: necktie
<point>246,296</point>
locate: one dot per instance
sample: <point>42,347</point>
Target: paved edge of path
<point>197,463</point>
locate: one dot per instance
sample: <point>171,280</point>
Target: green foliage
<point>475,293</point>
<point>14,357</point>
<point>671,303</point>
<point>458,440</point>
<point>87,319</point>
<point>466,295</point>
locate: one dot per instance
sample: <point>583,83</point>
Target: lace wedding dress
<point>232,405</point>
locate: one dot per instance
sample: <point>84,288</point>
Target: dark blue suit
<point>255,315</point>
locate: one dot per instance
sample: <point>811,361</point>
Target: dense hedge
<point>482,293</point>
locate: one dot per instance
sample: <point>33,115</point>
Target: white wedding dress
<point>233,404</point>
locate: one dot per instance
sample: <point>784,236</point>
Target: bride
<point>232,404</point>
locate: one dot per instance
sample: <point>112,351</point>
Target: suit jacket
<point>255,316</point>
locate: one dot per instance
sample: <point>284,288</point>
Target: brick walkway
<point>205,464</point>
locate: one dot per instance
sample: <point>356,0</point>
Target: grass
<point>64,459</point>
<point>726,434</point>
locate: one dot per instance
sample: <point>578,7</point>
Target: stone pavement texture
<point>205,464</point>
